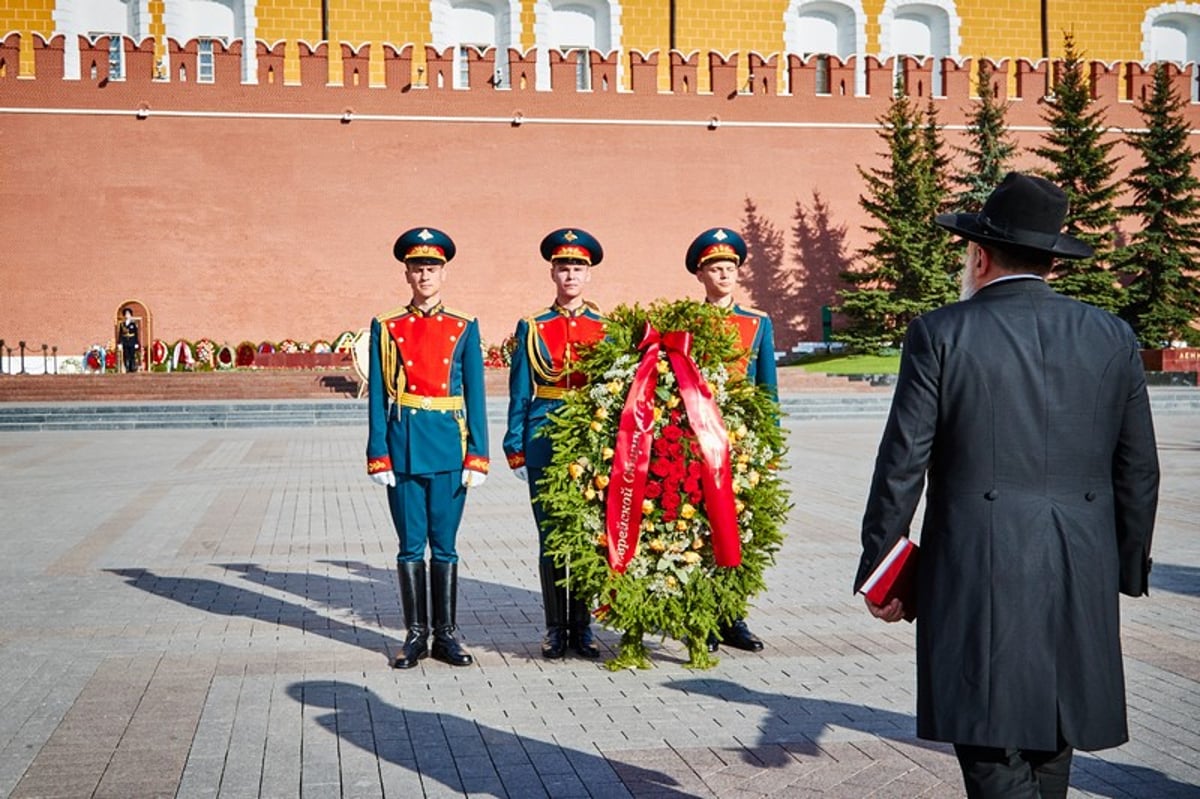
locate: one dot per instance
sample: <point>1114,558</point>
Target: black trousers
<point>990,772</point>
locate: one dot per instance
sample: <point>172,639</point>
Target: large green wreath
<point>673,586</point>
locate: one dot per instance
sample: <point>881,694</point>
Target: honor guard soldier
<point>547,344</point>
<point>427,439</point>
<point>714,258</point>
<point>131,344</point>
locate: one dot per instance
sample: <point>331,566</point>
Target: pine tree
<point>1082,166</point>
<point>943,252</point>
<point>905,270</point>
<point>1161,257</point>
<point>991,147</point>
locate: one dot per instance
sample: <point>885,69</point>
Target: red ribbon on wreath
<point>631,457</point>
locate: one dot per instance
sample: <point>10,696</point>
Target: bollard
<point>1,356</point>
<point>54,354</point>
<point>45,360</point>
<point>22,343</point>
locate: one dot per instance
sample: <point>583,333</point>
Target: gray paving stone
<point>242,578</point>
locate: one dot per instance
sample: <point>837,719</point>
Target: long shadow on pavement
<point>468,757</point>
<point>482,604</point>
<point>222,599</point>
<point>1176,578</point>
<point>796,725</point>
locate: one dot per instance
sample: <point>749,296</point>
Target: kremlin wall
<point>240,210</point>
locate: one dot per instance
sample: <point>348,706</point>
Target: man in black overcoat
<point>1028,411</point>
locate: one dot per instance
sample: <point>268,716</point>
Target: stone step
<point>266,384</point>
<point>342,412</point>
<point>237,384</point>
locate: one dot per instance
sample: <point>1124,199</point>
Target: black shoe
<point>415,648</point>
<point>554,645</point>
<point>584,643</point>
<point>738,636</point>
<point>712,643</point>
<point>448,650</point>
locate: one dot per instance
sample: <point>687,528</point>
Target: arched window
<point>207,20</point>
<point>476,23</point>
<point>575,26</point>
<point>922,28</point>
<point>824,28</point>
<point>94,18</point>
<point>1172,33</point>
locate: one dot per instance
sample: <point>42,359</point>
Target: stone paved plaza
<point>209,613</point>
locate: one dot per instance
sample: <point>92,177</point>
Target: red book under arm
<point>895,578</point>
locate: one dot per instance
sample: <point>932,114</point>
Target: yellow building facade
<point>1104,30</point>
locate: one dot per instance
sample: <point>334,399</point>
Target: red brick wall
<point>271,226</point>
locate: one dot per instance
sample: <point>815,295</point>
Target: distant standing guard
<point>547,344</point>
<point>131,342</point>
<point>427,439</point>
<point>714,257</point>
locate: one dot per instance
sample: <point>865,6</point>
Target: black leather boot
<point>416,614</point>
<point>554,601</point>
<point>443,585</point>
<point>581,630</point>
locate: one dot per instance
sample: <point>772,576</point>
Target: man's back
<point>1030,412</point>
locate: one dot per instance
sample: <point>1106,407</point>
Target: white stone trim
<point>790,34</point>
<point>541,23</point>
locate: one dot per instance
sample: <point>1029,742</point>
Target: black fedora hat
<point>1023,212</point>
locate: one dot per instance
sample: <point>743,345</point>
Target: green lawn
<point>850,364</point>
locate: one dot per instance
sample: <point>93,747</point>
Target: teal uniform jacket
<point>427,408</point>
<point>758,338</point>
<point>546,344</point>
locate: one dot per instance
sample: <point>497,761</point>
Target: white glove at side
<point>387,479</point>
<point>522,474</point>
<point>472,478</point>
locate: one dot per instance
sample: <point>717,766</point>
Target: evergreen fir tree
<point>943,258</point>
<point>1082,166</point>
<point>904,271</point>
<point>991,149</point>
<point>1161,258</point>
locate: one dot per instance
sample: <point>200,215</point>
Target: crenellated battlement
<point>825,87</point>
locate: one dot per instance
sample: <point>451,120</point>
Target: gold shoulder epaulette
<point>463,315</point>
<point>754,311</point>
<point>593,306</point>
<point>392,314</point>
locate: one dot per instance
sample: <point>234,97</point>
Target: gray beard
<point>966,282</point>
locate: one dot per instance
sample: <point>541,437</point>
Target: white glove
<point>522,474</point>
<point>386,478</point>
<point>472,478</point>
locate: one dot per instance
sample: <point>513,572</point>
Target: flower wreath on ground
<point>663,493</point>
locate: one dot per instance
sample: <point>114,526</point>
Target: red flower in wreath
<point>245,354</point>
<point>158,352</point>
<point>110,359</point>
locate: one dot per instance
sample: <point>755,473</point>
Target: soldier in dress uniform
<point>714,258</point>
<point>131,344</point>
<point>427,439</point>
<point>546,345</point>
